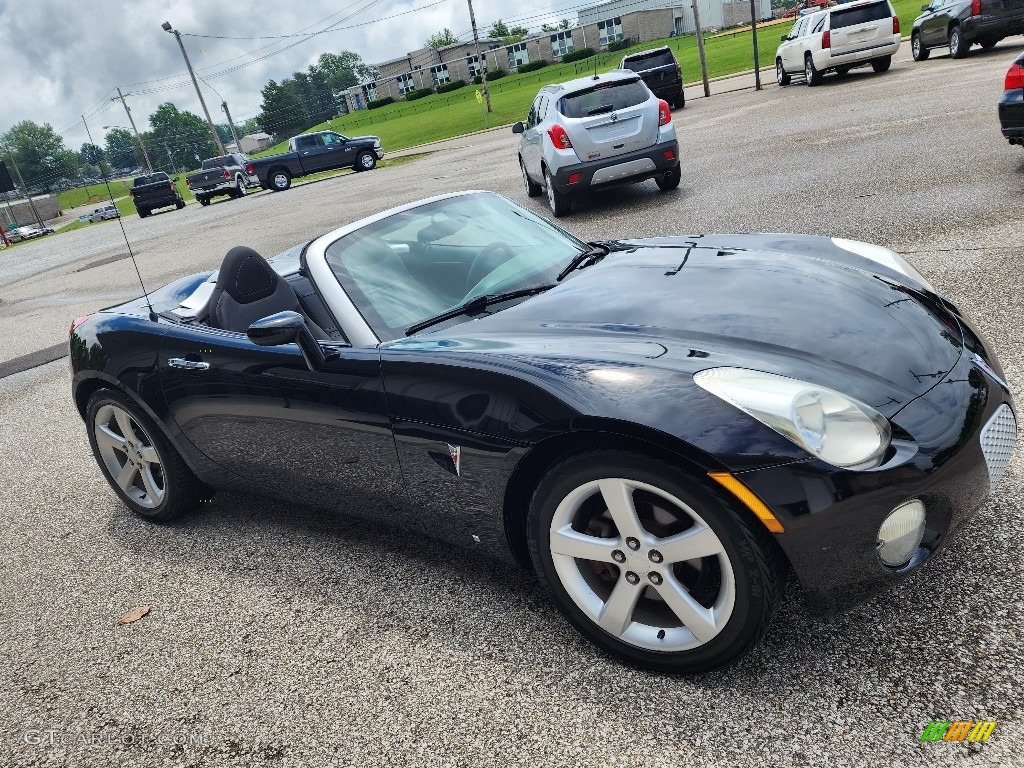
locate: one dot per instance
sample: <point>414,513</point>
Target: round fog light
<point>900,534</point>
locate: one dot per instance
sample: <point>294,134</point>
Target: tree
<point>441,39</point>
<point>122,149</point>
<point>40,154</point>
<point>563,24</point>
<point>182,137</point>
<point>343,70</point>
<point>90,154</point>
<point>281,111</point>
<point>316,95</point>
<point>507,34</point>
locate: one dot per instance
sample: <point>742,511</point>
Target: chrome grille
<point>997,440</point>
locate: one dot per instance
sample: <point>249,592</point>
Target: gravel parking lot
<point>285,636</point>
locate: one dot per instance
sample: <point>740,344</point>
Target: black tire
<point>533,189</point>
<point>747,559</point>
<point>958,47</point>
<point>366,161</point>
<point>143,213</point>
<point>781,76</point>
<point>239,190</point>
<point>679,101</point>
<point>842,71</point>
<point>917,48</point>
<point>881,64</point>
<point>279,179</point>
<point>181,489</point>
<point>811,74</point>
<point>559,202</point>
<point>203,200</point>
<point>670,179</point>
<point>988,44</point>
<point>179,204</point>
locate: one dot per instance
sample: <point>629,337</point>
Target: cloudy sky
<point>61,59</point>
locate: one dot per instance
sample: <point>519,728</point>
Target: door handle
<point>192,365</point>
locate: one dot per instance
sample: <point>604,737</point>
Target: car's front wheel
<point>811,74</point>
<point>560,202</point>
<point>881,64</point>
<point>140,464</point>
<point>670,179</point>
<point>366,161</point>
<point>918,48</point>
<point>651,564</point>
<point>780,73</point>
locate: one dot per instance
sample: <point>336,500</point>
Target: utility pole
<point>166,26</point>
<point>138,138</point>
<point>28,195</point>
<point>753,29</point>
<point>169,158</point>
<point>700,47</point>
<point>231,125</point>
<point>480,58</point>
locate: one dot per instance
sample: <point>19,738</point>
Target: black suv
<point>660,70</point>
<point>962,23</point>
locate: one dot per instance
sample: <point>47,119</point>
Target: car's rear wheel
<point>881,64</point>
<point>560,202</point>
<point>239,190</point>
<point>533,189</point>
<point>366,161</point>
<point>670,179</point>
<point>918,48</point>
<point>143,213</point>
<point>680,101</point>
<point>280,180</point>
<point>652,565</point>
<point>811,74</point>
<point>140,464</point>
<point>203,200</point>
<point>958,47</point>
<point>179,204</point>
<point>780,73</point>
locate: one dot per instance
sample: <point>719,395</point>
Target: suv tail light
<point>664,113</point>
<point>170,185</point>
<point>826,39</point>
<point>132,193</point>
<point>1014,78</point>
<point>227,174</point>
<point>895,25</point>
<point>249,169</point>
<point>559,137</point>
<point>77,322</point>
<point>975,7</point>
<point>188,182</point>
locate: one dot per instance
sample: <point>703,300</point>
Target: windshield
<point>662,58</point>
<point>418,263</point>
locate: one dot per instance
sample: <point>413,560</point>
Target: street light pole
<point>138,138</point>
<point>166,26</point>
<point>480,58</point>
<point>753,29</point>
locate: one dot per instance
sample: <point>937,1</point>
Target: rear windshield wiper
<point>601,110</point>
<point>476,305</point>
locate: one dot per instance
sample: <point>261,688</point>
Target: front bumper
<point>1011,115</point>
<point>629,168</point>
<point>832,516</point>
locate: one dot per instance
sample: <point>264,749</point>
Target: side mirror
<point>926,7</point>
<point>785,38</point>
<point>518,127</point>
<point>288,328</point>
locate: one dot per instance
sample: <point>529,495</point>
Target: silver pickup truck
<point>229,174</point>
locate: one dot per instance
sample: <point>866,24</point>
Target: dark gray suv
<point>660,70</point>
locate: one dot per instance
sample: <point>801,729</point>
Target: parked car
<point>960,24</point>
<point>660,71</point>
<point>155,190</point>
<point>618,416</point>
<point>315,152</point>
<point>227,174</point>
<point>1011,105</point>
<point>104,213</point>
<point>14,235</point>
<point>595,132</point>
<point>838,39</point>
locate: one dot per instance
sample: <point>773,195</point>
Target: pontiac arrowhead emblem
<point>455,452</point>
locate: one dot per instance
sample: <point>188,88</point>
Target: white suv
<point>839,39</point>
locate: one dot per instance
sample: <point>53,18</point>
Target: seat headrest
<point>246,276</point>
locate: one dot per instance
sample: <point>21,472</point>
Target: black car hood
<point>824,315</point>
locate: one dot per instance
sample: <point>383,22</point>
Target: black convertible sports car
<point>660,428</point>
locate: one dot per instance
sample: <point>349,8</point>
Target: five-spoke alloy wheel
<point>657,568</point>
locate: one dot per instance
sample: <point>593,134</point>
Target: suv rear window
<point>849,17</point>
<point>143,180</point>
<point>662,58</point>
<point>606,97</point>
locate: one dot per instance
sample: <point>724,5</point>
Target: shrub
<point>454,85</point>
<point>578,55</point>
<point>491,76</point>
<point>532,66</point>
<point>622,45</point>
<point>380,103</point>
<point>419,93</point>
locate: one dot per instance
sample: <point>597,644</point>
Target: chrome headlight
<point>885,257</point>
<point>837,429</point>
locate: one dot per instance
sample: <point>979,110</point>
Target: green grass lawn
<point>93,194</point>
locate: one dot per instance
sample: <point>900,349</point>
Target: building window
<point>474,66</point>
<point>609,31</point>
<point>370,91</point>
<point>517,55</point>
<point>440,74</point>
<point>405,83</point>
<point>561,44</point>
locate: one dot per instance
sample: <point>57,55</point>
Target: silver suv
<point>596,131</point>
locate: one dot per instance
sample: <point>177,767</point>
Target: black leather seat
<point>247,290</point>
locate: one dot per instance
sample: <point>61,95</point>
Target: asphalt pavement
<point>285,636</point>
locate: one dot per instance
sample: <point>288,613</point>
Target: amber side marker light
<point>749,498</point>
